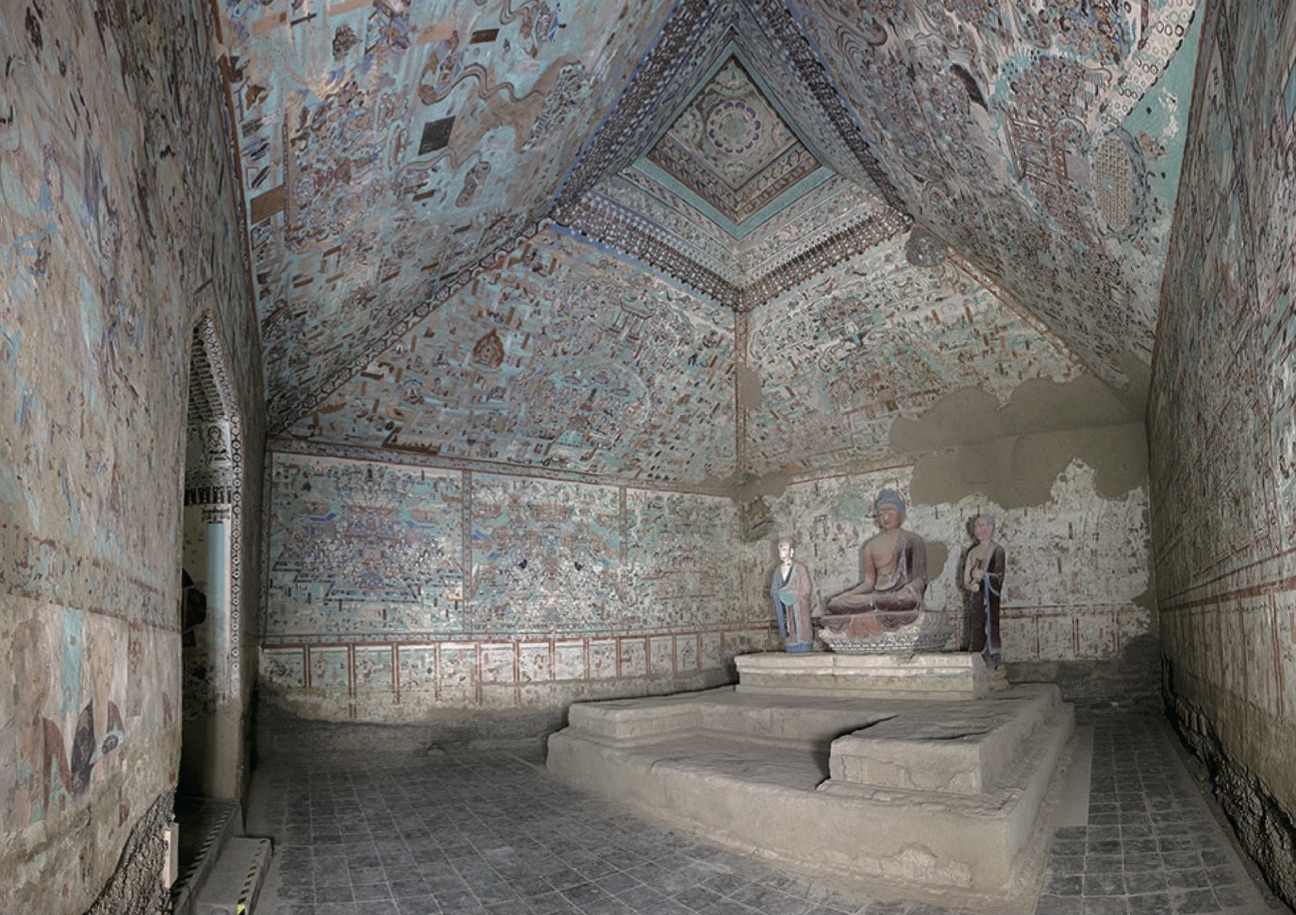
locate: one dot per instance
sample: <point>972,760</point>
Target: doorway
<point>213,746</point>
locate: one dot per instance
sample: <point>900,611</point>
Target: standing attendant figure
<point>790,592</point>
<point>983,575</point>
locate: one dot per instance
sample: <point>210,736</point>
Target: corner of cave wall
<point>1261,818</point>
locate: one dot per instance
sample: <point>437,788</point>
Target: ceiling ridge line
<point>830,98</point>
<point>624,126</point>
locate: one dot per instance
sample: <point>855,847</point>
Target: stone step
<point>205,826</point>
<point>235,882</point>
<point>950,747</point>
<point>927,797</point>
<point>949,675</point>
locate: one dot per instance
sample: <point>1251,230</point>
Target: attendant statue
<point>893,578</point>
<point>790,592</point>
<point>983,575</point>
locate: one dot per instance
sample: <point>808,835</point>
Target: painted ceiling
<point>695,242</point>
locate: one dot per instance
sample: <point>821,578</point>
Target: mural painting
<point>383,542</point>
<point>492,100</point>
<point>1058,145</point>
<point>69,727</point>
<point>842,357</point>
<point>370,611</point>
<point>1224,478</point>
<point>117,221</point>
<point>559,357</point>
<point>1053,608</point>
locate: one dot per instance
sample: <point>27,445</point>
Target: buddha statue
<point>889,596</point>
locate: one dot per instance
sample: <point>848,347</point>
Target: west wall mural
<point>1077,580</point>
<point>840,358</point>
<point>398,587</point>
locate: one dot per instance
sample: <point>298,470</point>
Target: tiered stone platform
<point>926,776</point>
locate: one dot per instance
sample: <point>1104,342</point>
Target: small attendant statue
<point>790,592</point>
<point>983,575</point>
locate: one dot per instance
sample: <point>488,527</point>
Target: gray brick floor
<point>492,833</point>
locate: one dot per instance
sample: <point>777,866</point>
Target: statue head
<point>889,509</point>
<point>786,547</point>
<point>890,497</point>
<point>984,527</point>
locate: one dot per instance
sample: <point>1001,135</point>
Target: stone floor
<point>492,833</point>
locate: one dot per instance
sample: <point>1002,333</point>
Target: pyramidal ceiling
<point>704,172</point>
<point>732,153</point>
<point>556,234</point>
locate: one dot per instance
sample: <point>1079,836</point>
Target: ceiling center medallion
<point>734,127</point>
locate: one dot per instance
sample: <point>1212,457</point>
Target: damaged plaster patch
<point>966,444</point>
<point>748,382</point>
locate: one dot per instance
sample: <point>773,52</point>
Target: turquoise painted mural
<point>412,109</point>
<point>560,357</point>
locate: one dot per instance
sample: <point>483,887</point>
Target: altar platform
<point>926,775</point>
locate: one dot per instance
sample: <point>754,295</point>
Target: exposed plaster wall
<point>1014,453</point>
<point>1222,418</point>
<point>412,594</point>
<point>116,230</point>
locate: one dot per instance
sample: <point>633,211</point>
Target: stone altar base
<point>941,800</point>
<point>949,675</point>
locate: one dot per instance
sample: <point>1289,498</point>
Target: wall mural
<point>1054,607</point>
<point>440,587</point>
<point>69,730</point>
<point>116,218</point>
<point>1042,141</point>
<point>1222,416</point>
<point>562,357</point>
<point>363,551</point>
<point>840,358</point>
<point>361,126</point>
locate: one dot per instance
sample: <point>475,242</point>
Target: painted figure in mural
<point>49,779</point>
<point>893,575</point>
<point>99,728</point>
<point>790,592</point>
<point>983,575</point>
